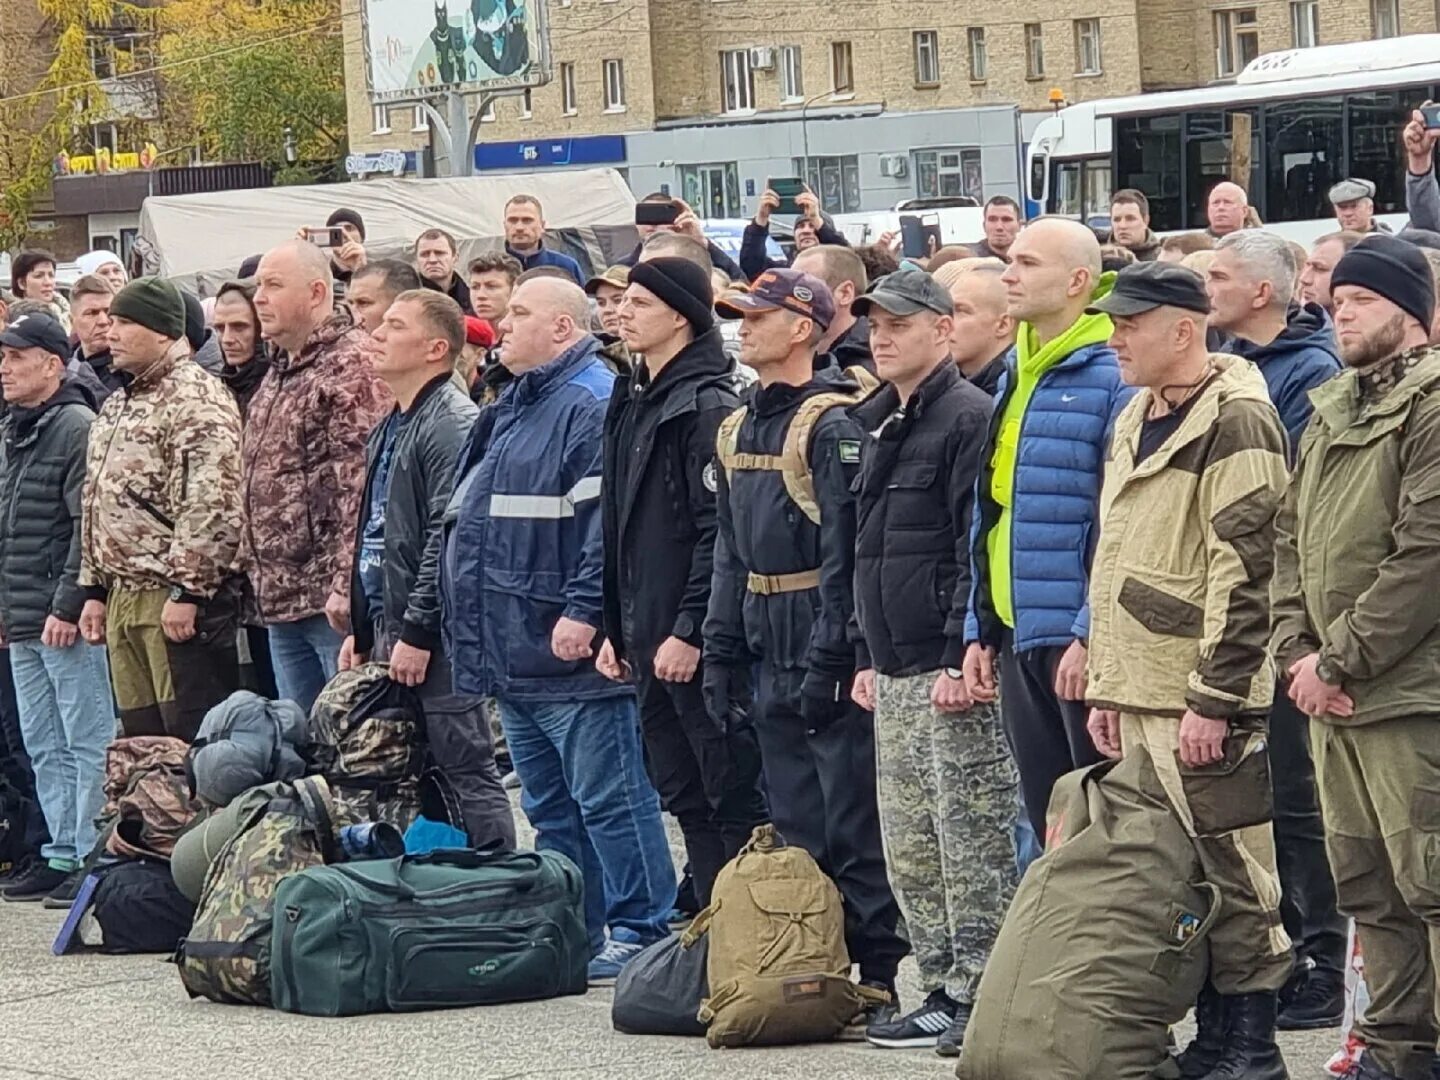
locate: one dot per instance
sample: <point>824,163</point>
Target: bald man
<point>304,464</point>
<point>1038,492</point>
<point>521,591</point>
<point>1226,208</point>
<point>984,331</point>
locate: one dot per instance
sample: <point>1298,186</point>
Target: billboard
<point>416,47</point>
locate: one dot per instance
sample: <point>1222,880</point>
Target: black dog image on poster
<point>500,41</point>
<point>449,45</point>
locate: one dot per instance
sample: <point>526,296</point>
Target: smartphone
<point>787,187</point>
<point>920,235</point>
<point>656,213</point>
<point>1431,113</point>
<point>326,236</point>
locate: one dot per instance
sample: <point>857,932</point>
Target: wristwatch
<point>1328,671</point>
<point>954,673</point>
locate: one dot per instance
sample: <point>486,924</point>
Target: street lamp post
<point>805,128</point>
<point>291,154</point>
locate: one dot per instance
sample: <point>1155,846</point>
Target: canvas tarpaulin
<point>199,241</point>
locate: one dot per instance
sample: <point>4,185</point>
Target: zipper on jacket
<point>149,507</point>
<point>184,476</point>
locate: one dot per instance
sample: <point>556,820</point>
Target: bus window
<point>1219,146</point>
<point>1305,147</point>
<point>1065,189</point>
<point>1375,151</point>
<point>1147,155</point>
<point>1080,189</point>
<point>1039,166</point>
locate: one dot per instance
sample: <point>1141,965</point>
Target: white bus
<point>1291,125</point>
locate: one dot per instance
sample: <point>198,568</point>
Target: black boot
<point>1202,1055</point>
<point>1250,1050</point>
<point>1320,1003</point>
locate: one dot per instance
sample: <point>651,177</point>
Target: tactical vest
<point>793,465</point>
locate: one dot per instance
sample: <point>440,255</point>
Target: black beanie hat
<point>249,267</point>
<point>682,286</point>
<point>153,303</point>
<point>347,217</point>
<point>194,319</point>
<point>1396,270</point>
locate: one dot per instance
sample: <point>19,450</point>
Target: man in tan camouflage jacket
<point>161,522</point>
<point>304,465</point>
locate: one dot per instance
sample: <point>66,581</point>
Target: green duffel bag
<point>1105,945</point>
<point>442,930</point>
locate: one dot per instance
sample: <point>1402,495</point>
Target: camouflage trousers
<point>946,786</point>
<point>1227,809</point>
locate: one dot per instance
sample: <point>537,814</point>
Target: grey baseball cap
<point>906,292</point>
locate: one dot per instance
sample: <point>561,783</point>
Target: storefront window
<point>940,173</point>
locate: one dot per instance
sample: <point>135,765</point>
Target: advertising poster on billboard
<point>416,47</point>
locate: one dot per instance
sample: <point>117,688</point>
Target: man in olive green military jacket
<point>1357,628</point>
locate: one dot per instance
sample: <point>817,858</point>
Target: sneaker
<point>923,1027</point>
<point>954,1037</point>
<point>38,882</point>
<point>510,781</point>
<point>17,868</point>
<point>605,968</point>
<point>61,898</point>
<point>1320,1003</point>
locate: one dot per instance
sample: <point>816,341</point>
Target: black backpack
<point>139,909</point>
<point>17,813</point>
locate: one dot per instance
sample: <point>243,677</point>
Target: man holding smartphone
<point>658,212</point>
<point>811,228</point>
<point>1422,193</point>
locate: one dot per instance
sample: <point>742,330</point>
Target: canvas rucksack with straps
<point>226,956</point>
<point>148,799</point>
<point>793,461</point>
<point>778,968</point>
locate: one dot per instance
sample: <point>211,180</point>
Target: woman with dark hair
<point>32,277</point>
<point>238,327</point>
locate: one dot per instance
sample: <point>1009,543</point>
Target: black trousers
<point>14,761</point>
<point>708,779</point>
<point>1307,886</point>
<point>1047,735</point>
<point>821,790</point>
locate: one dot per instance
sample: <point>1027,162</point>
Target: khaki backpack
<point>793,461</point>
<point>226,956</point>
<point>778,969</point>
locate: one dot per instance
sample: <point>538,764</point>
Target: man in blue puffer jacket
<point>521,588</point>
<point>1037,499</point>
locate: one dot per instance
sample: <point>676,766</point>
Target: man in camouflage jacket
<point>161,522</point>
<point>304,465</point>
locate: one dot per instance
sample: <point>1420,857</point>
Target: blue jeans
<point>306,655</point>
<point>1027,844</point>
<point>584,789</point>
<point>67,718</point>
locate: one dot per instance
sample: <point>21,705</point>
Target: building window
<point>1034,51</point>
<point>835,179</point>
<point>927,58</point>
<point>102,55</point>
<point>842,68</point>
<point>792,76</point>
<point>380,120</point>
<point>1385,18</point>
<point>737,81</point>
<point>712,191</point>
<point>948,172</point>
<point>979,56</point>
<point>104,137</point>
<point>567,90</point>
<point>1087,47</point>
<point>614,86</point>
<point>525,109</point>
<point>1305,24</point>
<point>1237,40</point>
<point>421,121</point>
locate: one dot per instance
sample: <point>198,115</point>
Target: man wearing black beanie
<point>345,258</point>
<point>1357,629</point>
<point>658,508</point>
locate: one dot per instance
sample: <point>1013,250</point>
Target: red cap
<point>479,332</point>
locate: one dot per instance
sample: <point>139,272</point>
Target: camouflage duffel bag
<point>148,802</point>
<point>226,956</point>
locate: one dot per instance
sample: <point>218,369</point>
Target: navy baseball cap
<point>37,331</point>
<point>778,288</point>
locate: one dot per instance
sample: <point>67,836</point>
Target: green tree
<point>238,73</point>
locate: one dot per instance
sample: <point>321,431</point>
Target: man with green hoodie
<point>1357,630</point>
<point>1036,507</point>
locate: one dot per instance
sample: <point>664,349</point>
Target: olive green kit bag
<point>778,968</point>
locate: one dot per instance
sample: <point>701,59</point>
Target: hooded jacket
<point>1356,557</point>
<point>852,349</point>
<point>658,498</point>
<point>162,483</point>
<point>1179,588</point>
<point>1305,355</point>
<point>1039,486</point>
<point>305,466</point>
<point>244,380</point>
<point>522,535</point>
<point>42,480</point>
<point>209,356</point>
<point>914,503</point>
